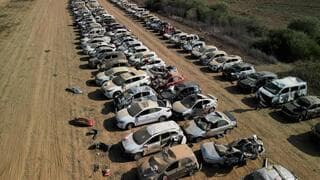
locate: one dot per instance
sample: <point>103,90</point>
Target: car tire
<point>115,94</point>
<point>130,126</point>
<point>137,156</point>
<point>162,118</point>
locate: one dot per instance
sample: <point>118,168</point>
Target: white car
<point>198,52</point>
<point>145,65</point>
<point>88,40</point>
<point>138,57</point>
<point>125,81</point>
<point>220,63</point>
<point>143,112</point>
<point>108,75</point>
<point>206,58</point>
<point>152,138</point>
<point>91,47</point>
<point>193,104</point>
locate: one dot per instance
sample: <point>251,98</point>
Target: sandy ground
<point>40,58</point>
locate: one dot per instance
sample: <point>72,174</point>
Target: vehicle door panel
<point>153,145</point>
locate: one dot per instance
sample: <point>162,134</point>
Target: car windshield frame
<point>134,109</point>
<point>272,88</point>
<point>141,136</point>
<point>202,123</point>
<point>119,81</point>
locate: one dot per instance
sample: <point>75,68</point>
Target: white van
<point>281,91</point>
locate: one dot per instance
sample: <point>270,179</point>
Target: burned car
<point>210,125</point>
<point>180,90</point>
<point>303,108</point>
<point>134,94</point>
<point>235,153</point>
<point>194,104</point>
<point>238,71</point>
<point>172,163</point>
<point>256,80</point>
<point>152,138</point>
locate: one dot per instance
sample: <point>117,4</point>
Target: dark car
<point>238,71</point>
<point>303,108</point>
<point>180,90</point>
<point>256,80</point>
<point>316,130</point>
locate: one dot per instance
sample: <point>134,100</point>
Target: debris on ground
<point>74,90</point>
<point>106,171</point>
<point>82,122</point>
<point>100,146</point>
<point>93,133</point>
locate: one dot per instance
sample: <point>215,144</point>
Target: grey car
<point>303,108</point>
<point>256,80</point>
<point>134,94</point>
<point>271,172</point>
<point>213,124</point>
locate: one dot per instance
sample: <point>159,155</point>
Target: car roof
<point>182,151</point>
<point>138,89</point>
<point>227,57</point>
<point>118,69</point>
<point>134,72</point>
<point>148,104</point>
<point>288,81</point>
<point>162,126</point>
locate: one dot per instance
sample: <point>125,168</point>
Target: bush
<point>288,45</point>
<point>309,26</point>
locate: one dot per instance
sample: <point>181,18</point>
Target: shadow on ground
<point>97,95</point>
<point>306,143</point>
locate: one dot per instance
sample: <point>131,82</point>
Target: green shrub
<point>310,26</point>
<point>288,45</point>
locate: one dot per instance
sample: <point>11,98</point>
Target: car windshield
<point>118,81</point>
<point>134,109</point>
<point>202,123</point>
<point>303,102</point>
<point>189,101</point>
<point>272,88</point>
<point>141,136</point>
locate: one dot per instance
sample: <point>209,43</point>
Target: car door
<point>143,117</point>
<point>284,95</point>
<point>153,145</point>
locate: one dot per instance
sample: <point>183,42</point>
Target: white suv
<point>220,63</point>
<point>125,81</point>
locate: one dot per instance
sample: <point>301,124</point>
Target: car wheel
<point>137,156</point>
<point>130,126</point>
<point>115,94</point>
<point>227,131</point>
<point>162,118</point>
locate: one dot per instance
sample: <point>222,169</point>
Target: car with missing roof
<point>209,56</point>
<point>213,124</point>
<point>152,138</point>
<point>303,108</point>
<point>256,80</point>
<point>125,81</point>
<point>238,71</point>
<point>108,75</point>
<point>193,104</point>
<point>172,163</point>
<point>134,94</point>
<point>198,52</point>
<point>180,90</point>
<point>280,91</point>
<point>220,63</point>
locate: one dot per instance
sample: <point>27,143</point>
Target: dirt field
<point>40,59</point>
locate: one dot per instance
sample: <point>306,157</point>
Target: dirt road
<point>40,59</point>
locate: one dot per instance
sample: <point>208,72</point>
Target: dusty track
<point>39,60</point>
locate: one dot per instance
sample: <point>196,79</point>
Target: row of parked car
<point>145,90</point>
<point>290,93</point>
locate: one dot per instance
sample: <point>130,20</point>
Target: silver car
<point>213,124</point>
<point>133,95</point>
<point>152,138</point>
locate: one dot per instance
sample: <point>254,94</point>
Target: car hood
<point>215,63</point>
<point>123,115</point>
<point>100,75</point>
<point>109,85</point>
<point>191,128</point>
<point>129,145</point>
<point>209,151</point>
<point>179,107</point>
<point>248,82</point>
